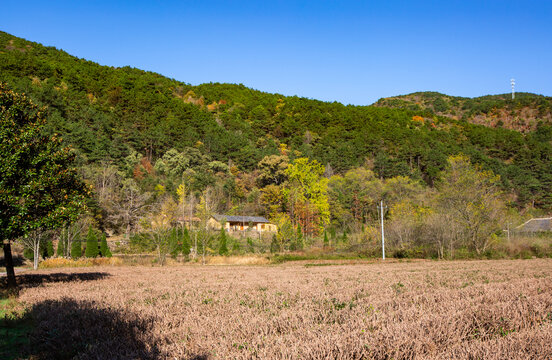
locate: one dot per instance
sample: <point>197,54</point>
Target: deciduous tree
<point>39,189</point>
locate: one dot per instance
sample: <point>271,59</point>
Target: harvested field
<point>393,310</point>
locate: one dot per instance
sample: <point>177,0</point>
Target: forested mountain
<point>525,113</point>
<point>132,118</point>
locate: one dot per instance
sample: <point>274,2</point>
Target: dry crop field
<point>393,310</point>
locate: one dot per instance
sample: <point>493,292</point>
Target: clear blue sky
<point>349,51</point>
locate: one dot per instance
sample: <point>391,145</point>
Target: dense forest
<point>144,141</point>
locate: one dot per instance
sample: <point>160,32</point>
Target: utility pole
<point>513,83</point>
<point>382,232</point>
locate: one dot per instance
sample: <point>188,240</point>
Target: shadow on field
<point>32,280</point>
<point>66,329</point>
<point>18,260</point>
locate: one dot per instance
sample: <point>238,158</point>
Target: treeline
<point>463,215</point>
<point>70,242</point>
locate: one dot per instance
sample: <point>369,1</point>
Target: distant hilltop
<point>524,113</point>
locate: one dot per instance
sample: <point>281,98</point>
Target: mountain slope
<point>524,113</point>
<point>109,113</point>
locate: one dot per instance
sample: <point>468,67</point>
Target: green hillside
<point>525,113</point>
<point>126,115</point>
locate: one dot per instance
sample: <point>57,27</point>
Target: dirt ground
<point>394,310</point>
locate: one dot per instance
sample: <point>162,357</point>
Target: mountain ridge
<point>110,114</point>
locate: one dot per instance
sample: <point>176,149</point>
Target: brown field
<point>393,310</point>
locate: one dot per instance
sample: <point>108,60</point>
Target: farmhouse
<point>535,225</point>
<point>242,223</point>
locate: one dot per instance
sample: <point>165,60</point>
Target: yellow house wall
<point>213,224</point>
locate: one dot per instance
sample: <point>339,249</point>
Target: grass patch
<point>15,326</point>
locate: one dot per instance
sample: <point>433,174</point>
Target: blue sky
<point>353,52</point>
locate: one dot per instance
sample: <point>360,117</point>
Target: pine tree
<point>76,249</point>
<point>299,239</point>
<point>43,248</point>
<point>326,241</point>
<point>50,248</point>
<point>91,244</point>
<point>60,248</point>
<point>250,245</point>
<point>174,247</point>
<point>223,247</point>
<point>236,246</point>
<point>186,244</point>
<point>274,246</point>
<point>104,248</point>
<point>344,237</point>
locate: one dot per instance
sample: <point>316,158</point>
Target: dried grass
<point>419,310</point>
<point>60,262</point>
<point>237,260</point>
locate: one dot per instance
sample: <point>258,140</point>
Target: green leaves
<point>38,187</point>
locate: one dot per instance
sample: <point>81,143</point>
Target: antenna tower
<point>513,83</point>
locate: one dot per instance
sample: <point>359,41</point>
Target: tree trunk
<point>10,272</point>
<point>36,254</point>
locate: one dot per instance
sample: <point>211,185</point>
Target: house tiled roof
<point>244,219</point>
<point>537,224</point>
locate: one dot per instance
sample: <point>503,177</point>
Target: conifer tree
<point>236,247</point>
<point>250,245</point>
<point>43,248</point>
<point>274,245</point>
<point>91,244</point>
<point>186,245</point>
<point>344,237</point>
<point>60,251</point>
<point>76,249</point>
<point>49,248</point>
<point>326,242</point>
<point>174,247</point>
<point>299,239</point>
<point>223,247</point>
<point>104,248</point>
